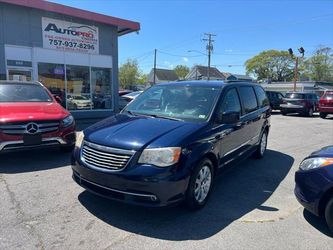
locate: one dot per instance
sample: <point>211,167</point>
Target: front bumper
<point>63,137</point>
<point>142,185</point>
<point>311,186</point>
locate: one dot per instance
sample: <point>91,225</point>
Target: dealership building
<point>73,52</point>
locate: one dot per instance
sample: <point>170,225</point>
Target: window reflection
<point>101,88</point>
<point>78,88</point>
<point>53,77</point>
<point>78,93</point>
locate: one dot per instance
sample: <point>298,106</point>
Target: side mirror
<point>58,99</point>
<point>229,117</point>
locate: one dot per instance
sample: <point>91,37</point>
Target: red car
<point>326,104</point>
<point>31,117</point>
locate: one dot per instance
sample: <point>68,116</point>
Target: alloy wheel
<point>203,184</point>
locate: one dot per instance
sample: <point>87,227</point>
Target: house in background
<point>201,73</point>
<point>162,75</point>
<point>236,77</point>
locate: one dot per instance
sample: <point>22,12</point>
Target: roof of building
<point>244,77</point>
<point>165,74</point>
<point>124,26</point>
<point>213,72</point>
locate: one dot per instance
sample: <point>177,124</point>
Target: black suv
<point>275,99</point>
<point>300,102</point>
<point>166,146</point>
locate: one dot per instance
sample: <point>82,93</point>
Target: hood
<point>23,111</point>
<point>324,152</point>
<point>136,132</point>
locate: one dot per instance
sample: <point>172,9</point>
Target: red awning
<point>124,26</point>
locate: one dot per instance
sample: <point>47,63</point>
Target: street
<point>252,206</point>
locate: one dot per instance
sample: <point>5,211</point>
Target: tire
<point>329,214</point>
<point>261,148</point>
<point>322,115</point>
<point>283,112</point>
<point>67,149</point>
<point>200,185</point>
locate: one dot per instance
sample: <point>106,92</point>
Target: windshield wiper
<point>131,113</point>
<point>167,117</point>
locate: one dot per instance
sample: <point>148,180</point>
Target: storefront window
<point>78,88</point>
<point>101,88</point>
<point>19,75</point>
<point>53,77</point>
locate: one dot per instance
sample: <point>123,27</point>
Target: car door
<point>251,118</point>
<point>229,136</point>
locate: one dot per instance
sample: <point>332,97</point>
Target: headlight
<point>67,121</point>
<point>79,139</point>
<point>315,162</point>
<point>161,157</point>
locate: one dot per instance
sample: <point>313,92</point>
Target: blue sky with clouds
<point>242,28</point>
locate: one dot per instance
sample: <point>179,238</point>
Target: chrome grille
<point>19,128</point>
<point>105,157</point>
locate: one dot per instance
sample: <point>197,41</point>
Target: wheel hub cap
<point>202,184</point>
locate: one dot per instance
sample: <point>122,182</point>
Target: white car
<point>78,102</point>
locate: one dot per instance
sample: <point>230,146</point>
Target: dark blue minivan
<point>166,146</point>
<point>314,184</point>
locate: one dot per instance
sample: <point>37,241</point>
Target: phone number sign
<point>67,36</point>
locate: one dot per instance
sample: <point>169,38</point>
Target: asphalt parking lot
<point>252,206</point>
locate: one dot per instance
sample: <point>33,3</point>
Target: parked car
<point>124,100</point>
<point>124,92</point>
<point>31,117</point>
<point>75,101</point>
<point>166,146</point>
<point>299,102</point>
<point>101,101</point>
<point>326,104</point>
<point>314,184</point>
<point>275,99</point>
<point>131,96</point>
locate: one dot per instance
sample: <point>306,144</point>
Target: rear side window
<point>328,95</point>
<point>262,98</point>
<point>230,102</point>
<point>248,98</point>
<point>295,96</point>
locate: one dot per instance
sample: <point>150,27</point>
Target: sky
<point>242,29</point>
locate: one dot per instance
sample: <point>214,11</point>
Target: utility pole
<point>291,53</point>
<point>295,73</point>
<point>209,48</point>
<point>155,66</point>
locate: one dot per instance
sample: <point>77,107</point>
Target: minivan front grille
<point>105,157</point>
<point>19,128</point>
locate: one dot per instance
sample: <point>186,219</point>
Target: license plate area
<point>29,140</point>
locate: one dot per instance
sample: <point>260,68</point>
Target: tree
<point>319,67</point>
<point>274,65</point>
<point>129,74</point>
<point>181,71</point>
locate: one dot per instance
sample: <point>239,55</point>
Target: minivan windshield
<point>23,92</point>
<point>178,102</point>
